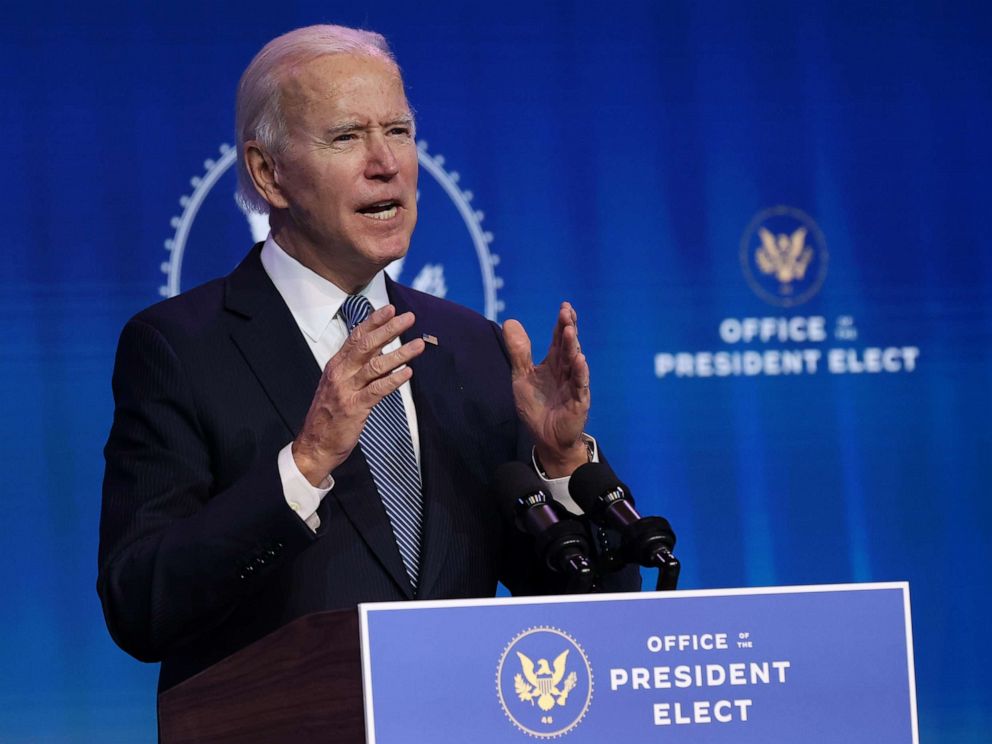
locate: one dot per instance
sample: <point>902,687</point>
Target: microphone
<point>644,540</point>
<point>561,543</point>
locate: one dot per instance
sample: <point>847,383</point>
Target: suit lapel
<point>356,493</point>
<point>432,384</point>
<point>271,342</point>
<point>278,355</point>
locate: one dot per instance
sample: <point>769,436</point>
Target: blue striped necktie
<point>385,441</point>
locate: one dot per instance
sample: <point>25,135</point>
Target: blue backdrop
<point>678,170</point>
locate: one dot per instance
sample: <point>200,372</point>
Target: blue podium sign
<point>816,664</point>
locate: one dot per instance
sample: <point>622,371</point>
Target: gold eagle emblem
<point>541,682</point>
<point>785,256</point>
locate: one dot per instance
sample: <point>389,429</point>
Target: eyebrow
<point>354,125</point>
<point>406,120</point>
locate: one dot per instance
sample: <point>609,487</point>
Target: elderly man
<point>305,434</point>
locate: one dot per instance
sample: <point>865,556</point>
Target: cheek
<point>328,175</point>
<point>413,168</point>
<point>333,194</point>
<point>413,211</point>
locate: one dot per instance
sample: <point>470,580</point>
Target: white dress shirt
<point>314,303</point>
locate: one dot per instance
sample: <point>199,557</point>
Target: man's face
<point>349,172</point>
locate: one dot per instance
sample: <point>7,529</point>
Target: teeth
<point>385,214</point>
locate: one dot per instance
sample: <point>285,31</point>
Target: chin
<point>381,259</point>
<point>393,249</point>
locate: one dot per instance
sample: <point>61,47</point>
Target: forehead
<point>347,84</point>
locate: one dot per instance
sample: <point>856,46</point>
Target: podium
<point>301,683</point>
<point>781,664</point>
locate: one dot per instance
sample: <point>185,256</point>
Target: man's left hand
<point>552,397</point>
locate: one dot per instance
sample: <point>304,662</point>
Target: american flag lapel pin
<point>429,338</point>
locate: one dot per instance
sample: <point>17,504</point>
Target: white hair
<point>258,110</point>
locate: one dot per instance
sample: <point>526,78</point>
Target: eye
<point>345,137</point>
<point>400,131</point>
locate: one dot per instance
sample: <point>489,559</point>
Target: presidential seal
<point>449,254</point>
<point>784,256</point>
<point>544,682</point>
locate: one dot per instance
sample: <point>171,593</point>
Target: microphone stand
<point>565,550</point>
<point>668,575</point>
<point>646,541</point>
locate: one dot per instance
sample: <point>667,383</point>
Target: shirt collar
<point>313,301</point>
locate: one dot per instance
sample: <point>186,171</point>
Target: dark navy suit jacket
<point>199,553</point>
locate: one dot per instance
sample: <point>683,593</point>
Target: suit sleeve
<point>176,554</point>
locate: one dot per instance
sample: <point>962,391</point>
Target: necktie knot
<point>355,309</point>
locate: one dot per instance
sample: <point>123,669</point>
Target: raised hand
<point>354,380</point>
<point>552,397</point>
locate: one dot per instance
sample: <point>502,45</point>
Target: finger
<point>580,379</point>
<point>566,319</point>
<point>571,310</point>
<point>564,358</point>
<point>384,364</point>
<point>574,367</point>
<point>570,344</point>
<point>377,318</point>
<point>361,334</point>
<point>366,342</point>
<point>574,317</point>
<point>383,386</point>
<point>382,332</point>
<point>567,315</point>
<point>518,347</point>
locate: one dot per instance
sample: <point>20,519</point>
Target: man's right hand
<point>354,380</point>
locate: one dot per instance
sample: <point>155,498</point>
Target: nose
<point>381,162</point>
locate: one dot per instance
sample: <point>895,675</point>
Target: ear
<point>262,169</point>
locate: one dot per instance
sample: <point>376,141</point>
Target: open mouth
<point>384,210</point>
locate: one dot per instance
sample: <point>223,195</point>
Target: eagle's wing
<point>528,667</point>
<point>767,241</point>
<point>767,254</point>
<point>798,242</point>
<point>559,666</point>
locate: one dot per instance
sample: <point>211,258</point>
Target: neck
<point>350,279</point>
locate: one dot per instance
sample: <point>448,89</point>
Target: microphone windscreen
<point>512,481</point>
<point>591,481</point>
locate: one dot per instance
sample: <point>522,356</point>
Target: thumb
<point>518,347</point>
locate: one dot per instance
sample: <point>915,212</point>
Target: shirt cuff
<point>301,496</point>
<point>558,487</point>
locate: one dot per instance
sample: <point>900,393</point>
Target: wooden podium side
<point>302,683</point>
